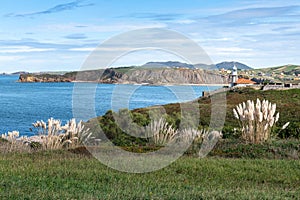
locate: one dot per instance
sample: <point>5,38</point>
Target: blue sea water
<point>21,104</point>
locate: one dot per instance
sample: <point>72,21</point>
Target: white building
<point>234,76</point>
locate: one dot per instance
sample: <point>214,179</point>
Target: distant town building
<point>243,81</point>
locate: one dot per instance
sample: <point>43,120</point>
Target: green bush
<point>293,130</point>
<point>2,140</point>
<point>35,145</point>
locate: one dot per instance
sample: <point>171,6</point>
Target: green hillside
<point>288,104</point>
<point>286,69</point>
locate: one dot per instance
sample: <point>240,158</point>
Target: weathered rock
<point>133,76</point>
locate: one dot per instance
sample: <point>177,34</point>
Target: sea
<point>22,104</point>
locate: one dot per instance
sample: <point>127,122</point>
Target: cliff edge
<point>132,76</point>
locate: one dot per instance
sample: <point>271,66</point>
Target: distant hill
<point>18,73</point>
<point>205,66</point>
<point>286,69</point>
<point>169,64</point>
<point>175,64</point>
<point>229,65</point>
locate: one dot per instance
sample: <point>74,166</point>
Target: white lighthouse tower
<point>234,75</point>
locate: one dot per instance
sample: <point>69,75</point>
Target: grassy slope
<point>286,68</point>
<point>288,104</point>
<point>289,73</point>
<point>64,175</point>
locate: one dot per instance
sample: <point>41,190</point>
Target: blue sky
<point>60,34</point>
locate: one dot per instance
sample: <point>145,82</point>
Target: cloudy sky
<point>55,35</point>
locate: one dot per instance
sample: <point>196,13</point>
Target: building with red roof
<point>243,81</point>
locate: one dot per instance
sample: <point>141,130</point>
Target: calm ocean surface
<point>21,104</point>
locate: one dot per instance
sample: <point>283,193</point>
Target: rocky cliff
<point>30,78</point>
<point>132,76</point>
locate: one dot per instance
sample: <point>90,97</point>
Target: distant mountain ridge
<point>170,64</point>
<point>176,64</point>
<point>229,65</point>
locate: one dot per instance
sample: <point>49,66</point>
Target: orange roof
<point>244,81</point>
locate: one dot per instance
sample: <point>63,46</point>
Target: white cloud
<point>184,21</point>
<point>94,28</point>
<point>82,49</point>
<point>23,49</point>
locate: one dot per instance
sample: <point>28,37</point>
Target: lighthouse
<point>234,75</point>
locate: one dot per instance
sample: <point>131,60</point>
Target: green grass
<point>285,68</point>
<point>65,175</point>
<point>276,149</point>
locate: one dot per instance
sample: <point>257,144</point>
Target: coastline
<point>126,83</point>
<point>134,77</point>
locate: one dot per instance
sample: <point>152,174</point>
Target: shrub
<point>202,141</point>
<point>11,136</point>
<point>136,129</point>
<point>256,120</point>
<point>51,135</point>
<point>160,132</point>
<point>55,136</point>
<point>193,136</point>
<point>292,131</point>
<point>13,143</point>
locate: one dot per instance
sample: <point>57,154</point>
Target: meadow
<point>66,175</point>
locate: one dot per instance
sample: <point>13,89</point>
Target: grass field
<point>66,175</point>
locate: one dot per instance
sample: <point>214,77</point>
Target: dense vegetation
<point>288,105</point>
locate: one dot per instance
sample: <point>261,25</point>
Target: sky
<point>59,35</point>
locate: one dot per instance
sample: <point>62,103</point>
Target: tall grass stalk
<point>55,136</point>
<point>160,133</point>
<point>50,135</point>
<point>256,120</point>
<point>13,142</point>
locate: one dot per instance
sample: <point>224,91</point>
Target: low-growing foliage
<point>287,101</point>
<point>274,149</point>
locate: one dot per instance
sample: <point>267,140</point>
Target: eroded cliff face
<point>172,76</point>
<point>133,76</point>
